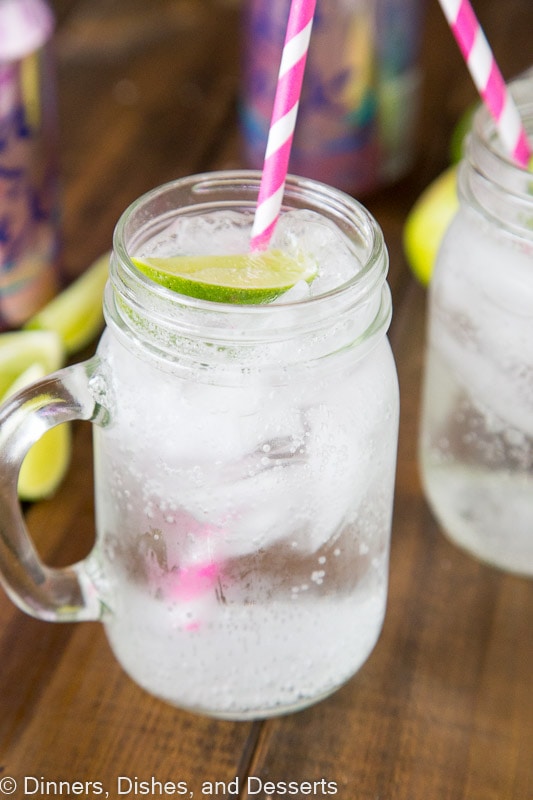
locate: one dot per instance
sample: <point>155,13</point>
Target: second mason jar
<point>477,421</point>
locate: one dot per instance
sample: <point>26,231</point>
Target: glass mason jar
<point>244,466</point>
<point>476,447</point>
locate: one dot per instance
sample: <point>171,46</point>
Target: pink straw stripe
<point>287,92</point>
<point>283,120</point>
<point>488,78</point>
<point>464,28</point>
<point>523,150</point>
<point>277,161</point>
<point>495,92</point>
<point>300,15</point>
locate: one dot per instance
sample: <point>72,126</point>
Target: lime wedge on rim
<point>243,278</point>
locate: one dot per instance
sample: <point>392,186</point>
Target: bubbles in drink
<point>245,494</point>
<point>477,425</point>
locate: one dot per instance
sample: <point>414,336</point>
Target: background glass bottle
<point>28,168</point>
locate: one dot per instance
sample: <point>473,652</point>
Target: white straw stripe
<point>295,49</point>
<point>282,122</point>
<point>281,130</point>
<point>480,59</point>
<point>451,9</point>
<point>267,212</point>
<point>510,124</point>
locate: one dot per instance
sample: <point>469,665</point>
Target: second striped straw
<point>488,78</point>
<point>283,121</point>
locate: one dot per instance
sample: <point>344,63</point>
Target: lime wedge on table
<point>243,278</point>
<point>66,324</point>
<point>45,465</point>
<point>19,350</point>
<point>76,313</point>
<point>25,357</point>
<point>46,462</point>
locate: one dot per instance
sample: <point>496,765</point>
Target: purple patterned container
<point>28,166</point>
<point>359,100</point>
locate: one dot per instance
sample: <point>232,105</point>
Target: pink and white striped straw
<point>282,122</point>
<point>488,78</point>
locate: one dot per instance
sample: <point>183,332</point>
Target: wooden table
<point>443,709</point>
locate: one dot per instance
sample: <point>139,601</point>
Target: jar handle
<point>55,594</point>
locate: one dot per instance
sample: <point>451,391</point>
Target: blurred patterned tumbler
<point>28,161</point>
<point>358,109</point>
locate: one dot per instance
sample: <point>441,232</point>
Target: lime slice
<point>244,278</point>
<point>45,465</point>
<point>33,373</point>
<point>46,462</point>
<point>20,349</point>
<point>428,221</point>
<point>76,313</point>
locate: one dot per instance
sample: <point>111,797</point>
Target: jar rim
<point>356,313</point>
<point>297,189</point>
<point>489,180</point>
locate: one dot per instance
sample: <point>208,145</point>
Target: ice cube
<point>218,232</point>
<point>300,291</point>
<point>306,231</point>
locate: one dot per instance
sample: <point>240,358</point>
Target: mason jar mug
<point>244,459</point>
